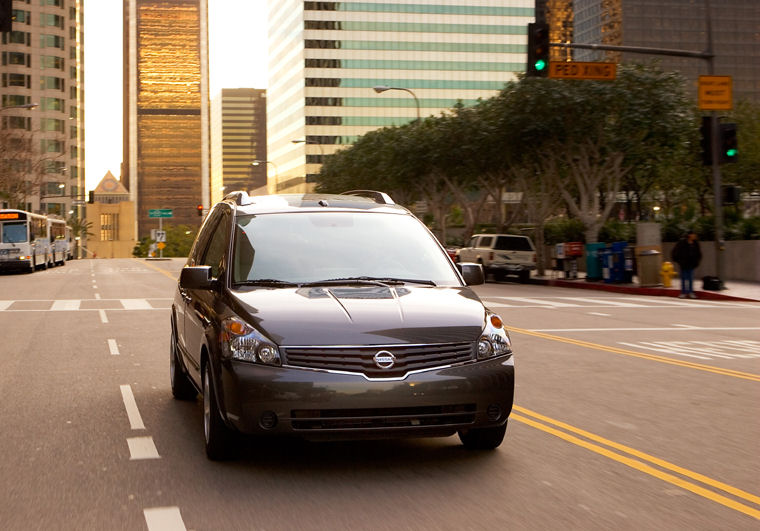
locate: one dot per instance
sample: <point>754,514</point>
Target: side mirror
<point>472,273</point>
<point>197,277</point>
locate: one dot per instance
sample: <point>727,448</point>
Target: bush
<point>562,230</point>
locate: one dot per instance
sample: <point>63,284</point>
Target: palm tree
<point>80,228</point>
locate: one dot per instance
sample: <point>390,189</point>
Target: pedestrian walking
<point>687,255</point>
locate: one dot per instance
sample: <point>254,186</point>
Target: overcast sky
<point>237,28</point>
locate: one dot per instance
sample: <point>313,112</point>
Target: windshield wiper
<point>383,281</point>
<point>267,282</point>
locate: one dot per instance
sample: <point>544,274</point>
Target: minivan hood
<point>362,315</point>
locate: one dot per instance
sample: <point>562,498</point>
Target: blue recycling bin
<point>593,261</point>
<point>617,263</point>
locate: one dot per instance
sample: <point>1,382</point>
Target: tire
<point>499,276</point>
<point>182,387</point>
<point>217,436</point>
<point>524,276</point>
<point>483,438</point>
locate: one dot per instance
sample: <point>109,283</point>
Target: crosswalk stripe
<point>607,302</point>
<point>541,302</point>
<point>136,304</point>
<point>5,304</point>
<point>65,305</point>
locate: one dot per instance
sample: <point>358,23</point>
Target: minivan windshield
<point>318,246</point>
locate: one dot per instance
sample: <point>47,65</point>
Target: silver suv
<point>501,255</point>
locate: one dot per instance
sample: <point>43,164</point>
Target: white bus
<point>60,240</point>
<point>24,240</point>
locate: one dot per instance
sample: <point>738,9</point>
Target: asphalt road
<point>631,413</point>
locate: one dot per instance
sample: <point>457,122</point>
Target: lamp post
<point>304,141</point>
<point>382,88</point>
<point>22,106</point>
<point>257,162</point>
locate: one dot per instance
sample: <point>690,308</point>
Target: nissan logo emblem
<point>384,359</point>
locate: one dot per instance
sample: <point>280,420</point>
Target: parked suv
<point>501,255</point>
<point>335,316</point>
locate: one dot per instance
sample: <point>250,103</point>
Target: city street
<point>631,412</point>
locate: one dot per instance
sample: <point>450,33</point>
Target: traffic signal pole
<point>715,134</point>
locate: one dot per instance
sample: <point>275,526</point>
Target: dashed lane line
<point>113,347</point>
<point>103,316</point>
<point>142,448</point>
<point>164,519</point>
<point>135,420</point>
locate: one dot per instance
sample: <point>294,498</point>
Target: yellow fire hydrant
<point>667,272</point>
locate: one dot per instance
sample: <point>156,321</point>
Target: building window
<point>52,83</point>
<point>51,41</point>
<point>17,37</point>
<point>17,80</point>
<point>17,122</point>
<point>51,104</point>
<point>51,146</point>
<point>51,20</point>
<point>109,227</point>
<point>52,61</point>
<point>21,17</point>
<point>56,3</point>
<point>51,124</point>
<point>17,58</point>
<point>9,100</point>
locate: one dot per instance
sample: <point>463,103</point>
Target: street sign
<point>715,93</point>
<point>160,237</point>
<point>161,245</point>
<point>579,70</point>
<point>160,213</point>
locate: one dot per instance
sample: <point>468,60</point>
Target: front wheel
<point>483,438</point>
<point>217,435</point>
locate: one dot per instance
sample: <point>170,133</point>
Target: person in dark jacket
<point>687,255</point>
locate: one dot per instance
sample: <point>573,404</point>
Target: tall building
<point>677,24</point>
<point>42,114</point>
<point>238,141</point>
<point>112,220</point>
<point>166,109</point>
<point>325,58</point>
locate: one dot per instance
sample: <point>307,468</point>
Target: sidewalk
<point>735,290</point>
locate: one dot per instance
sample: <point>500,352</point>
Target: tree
<point>80,230</point>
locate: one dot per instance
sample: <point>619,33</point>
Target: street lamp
<point>311,143</point>
<point>22,106</point>
<point>383,88</point>
<point>257,162</point>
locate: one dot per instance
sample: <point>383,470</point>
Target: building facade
<point>111,215</point>
<point>42,114</point>
<point>325,58</point>
<point>238,141</point>
<point>166,109</point>
<point>681,25</point>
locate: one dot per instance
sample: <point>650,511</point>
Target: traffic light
<point>728,145</point>
<point>199,208</point>
<point>538,49</point>
<point>705,132</point>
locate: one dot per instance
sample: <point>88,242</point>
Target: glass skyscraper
<point>326,57</point>
<point>166,109</point>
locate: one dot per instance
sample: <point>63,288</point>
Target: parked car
<point>501,255</point>
<point>338,317</point>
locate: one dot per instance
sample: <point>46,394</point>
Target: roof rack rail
<point>239,197</point>
<point>378,197</point>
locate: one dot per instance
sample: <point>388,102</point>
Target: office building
<point>166,109</point>
<point>681,25</point>
<point>111,215</point>
<point>326,57</point>
<point>238,141</point>
<point>42,115</point>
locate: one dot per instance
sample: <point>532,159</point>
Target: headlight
<point>494,340</point>
<point>240,341</point>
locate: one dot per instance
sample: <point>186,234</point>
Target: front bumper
<point>317,404</point>
<point>14,264</point>
<point>511,268</point>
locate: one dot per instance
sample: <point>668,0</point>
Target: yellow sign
<point>578,70</point>
<point>160,245</point>
<point>715,93</point>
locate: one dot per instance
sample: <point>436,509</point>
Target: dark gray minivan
<point>335,317</point>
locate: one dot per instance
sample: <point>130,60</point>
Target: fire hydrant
<point>667,272</point>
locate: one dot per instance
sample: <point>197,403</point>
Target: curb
<point>634,290</point>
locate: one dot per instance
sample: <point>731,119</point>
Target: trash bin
<point>649,263</point>
<point>617,269</point>
<point>593,262</point>
<point>628,265</point>
<point>606,257</point>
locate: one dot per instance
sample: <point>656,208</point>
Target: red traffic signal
<point>199,208</point>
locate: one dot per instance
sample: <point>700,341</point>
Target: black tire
<point>217,435</point>
<point>182,387</point>
<point>483,438</point>
<point>524,276</point>
<point>499,276</point>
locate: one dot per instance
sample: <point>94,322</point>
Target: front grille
<point>361,359</point>
<point>382,418</point>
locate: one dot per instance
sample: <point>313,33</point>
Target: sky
<point>234,27</point>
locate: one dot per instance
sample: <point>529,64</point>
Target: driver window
<point>217,246</point>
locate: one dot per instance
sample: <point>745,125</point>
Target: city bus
<point>24,240</point>
<point>60,240</point>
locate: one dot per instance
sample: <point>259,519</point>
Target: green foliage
<point>562,230</point>
<point>617,231</point>
<point>179,240</point>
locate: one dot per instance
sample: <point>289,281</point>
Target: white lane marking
<point>653,329</point>
<point>136,304</point>
<point>726,349</point>
<point>103,316</point>
<point>164,519</point>
<point>658,348</point>
<point>5,304</point>
<point>135,420</point>
<point>97,296</point>
<point>685,326</point>
<point>64,305</point>
<point>94,287</point>
<point>599,314</point>
<point>606,302</point>
<point>540,302</point>
<point>113,347</point>
<point>142,448</point>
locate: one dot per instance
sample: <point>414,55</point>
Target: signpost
<point>580,70</point>
<point>160,213</point>
<point>715,93</point>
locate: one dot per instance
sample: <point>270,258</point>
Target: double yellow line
<point>642,462</point>
<point>650,357</point>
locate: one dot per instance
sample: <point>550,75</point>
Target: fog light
<point>493,412</point>
<point>268,420</point>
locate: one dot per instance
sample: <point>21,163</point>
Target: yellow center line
<point>651,357</point>
<point>160,270</point>
<point>647,469</point>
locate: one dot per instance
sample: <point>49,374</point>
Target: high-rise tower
<point>166,108</point>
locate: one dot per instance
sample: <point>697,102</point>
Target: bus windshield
<point>14,232</point>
